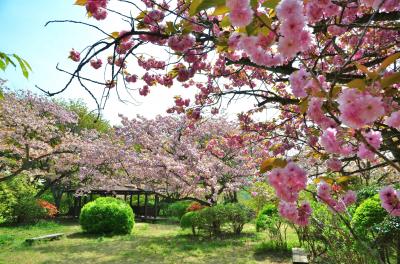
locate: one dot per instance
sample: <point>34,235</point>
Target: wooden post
<point>138,200</point>
<point>130,200</point>
<point>145,205</point>
<point>91,197</point>
<point>155,206</point>
<point>79,205</point>
<point>125,197</point>
<point>75,209</point>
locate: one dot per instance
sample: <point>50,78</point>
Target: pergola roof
<point>118,189</point>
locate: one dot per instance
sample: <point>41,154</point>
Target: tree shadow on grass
<point>268,251</point>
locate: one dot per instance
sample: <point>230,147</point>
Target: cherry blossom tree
<point>35,138</point>
<point>328,68</point>
<point>176,158</point>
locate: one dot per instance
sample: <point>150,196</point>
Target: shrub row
<point>214,219</point>
<point>19,205</point>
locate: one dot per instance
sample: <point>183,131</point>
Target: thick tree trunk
<point>57,195</point>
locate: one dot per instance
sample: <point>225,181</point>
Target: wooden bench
<point>299,256</point>
<point>47,237</point>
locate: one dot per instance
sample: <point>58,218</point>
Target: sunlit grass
<point>148,243</point>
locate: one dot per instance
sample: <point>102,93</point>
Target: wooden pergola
<point>144,212</point>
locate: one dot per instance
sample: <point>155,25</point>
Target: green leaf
<point>253,3</point>
<point>357,83</point>
<point>6,59</point>
<point>266,20</point>
<point>225,22</point>
<point>186,28</point>
<point>303,106</point>
<point>272,163</point>
<point>170,28</point>
<point>198,5</point>
<point>2,64</point>
<point>22,66</point>
<point>391,79</point>
<point>389,60</point>
<point>1,95</point>
<point>27,64</point>
<point>371,75</point>
<point>220,10</point>
<point>271,4</point>
<point>251,29</point>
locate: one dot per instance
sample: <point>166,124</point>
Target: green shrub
<point>107,215</point>
<point>214,219</point>
<point>18,203</point>
<point>177,209</point>
<point>368,215</point>
<point>377,227</point>
<point>367,192</point>
<point>267,217</point>
<point>189,220</point>
<point>236,216</point>
<point>259,194</point>
<point>269,220</point>
<point>28,210</point>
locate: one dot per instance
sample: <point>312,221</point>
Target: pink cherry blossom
<point>241,13</point>
<point>390,199</point>
<point>298,80</point>
<point>359,109</point>
<point>96,64</point>
<point>181,43</point>
<point>97,8</point>
<point>394,120</point>
<point>74,55</point>
<point>334,164</point>
<point>374,138</point>
<point>288,181</point>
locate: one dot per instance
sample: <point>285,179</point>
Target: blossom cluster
<point>374,139</point>
<point>241,13</point>
<point>297,214</point>
<point>96,63</point>
<point>97,8</point>
<point>181,43</point>
<point>288,181</point>
<point>324,194</point>
<point>359,108</point>
<point>74,55</point>
<point>295,36</point>
<point>390,199</point>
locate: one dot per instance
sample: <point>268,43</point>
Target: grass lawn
<point>148,243</point>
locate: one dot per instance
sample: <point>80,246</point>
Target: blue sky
<point>22,32</point>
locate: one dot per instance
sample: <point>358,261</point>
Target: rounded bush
<point>267,217</point>
<point>177,209</point>
<point>237,215</point>
<point>188,220</point>
<point>368,214</point>
<point>107,215</point>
